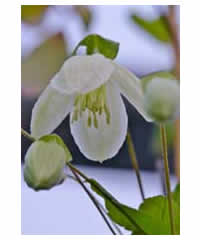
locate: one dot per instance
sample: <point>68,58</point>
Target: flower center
<point>96,104</point>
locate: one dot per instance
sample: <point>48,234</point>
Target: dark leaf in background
<point>158,28</point>
<point>32,13</point>
<point>43,63</point>
<point>85,13</point>
<point>96,43</point>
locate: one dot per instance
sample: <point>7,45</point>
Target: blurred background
<point>48,36</point>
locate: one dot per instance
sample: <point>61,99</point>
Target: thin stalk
<point>172,26</point>
<point>132,154</point>
<point>93,200</point>
<point>177,149</point>
<point>77,171</point>
<point>113,201</point>
<point>106,213</point>
<point>101,206</point>
<point>167,176</point>
<point>160,169</point>
<point>27,135</point>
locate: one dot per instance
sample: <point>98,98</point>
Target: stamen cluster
<point>96,104</point>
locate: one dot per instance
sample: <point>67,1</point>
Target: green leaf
<point>152,218</point>
<point>158,28</point>
<point>162,74</point>
<point>157,208</point>
<point>95,43</point>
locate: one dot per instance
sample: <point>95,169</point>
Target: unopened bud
<point>162,99</point>
<point>45,161</point>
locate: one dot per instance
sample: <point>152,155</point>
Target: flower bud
<point>45,161</point>
<point>161,99</point>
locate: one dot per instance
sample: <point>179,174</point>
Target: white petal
<point>131,88</point>
<point>81,74</point>
<point>49,111</point>
<point>104,142</point>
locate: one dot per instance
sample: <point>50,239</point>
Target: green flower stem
<point>106,213</point>
<point>93,200</point>
<point>101,206</point>
<point>172,26</point>
<point>75,171</point>
<point>132,154</point>
<point>27,135</point>
<point>167,176</point>
<point>111,199</point>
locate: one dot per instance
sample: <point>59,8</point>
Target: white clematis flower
<point>89,87</point>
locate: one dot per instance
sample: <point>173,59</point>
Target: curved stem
<point>167,176</point>
<point>132,154</point>
<point>27,135</point>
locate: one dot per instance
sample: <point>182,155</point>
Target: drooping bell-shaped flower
<point>88,88</point>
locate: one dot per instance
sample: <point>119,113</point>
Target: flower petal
<point>82,74</point>
<point>49,111</point>
<point>104,142</point>
<point>131,88</point>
